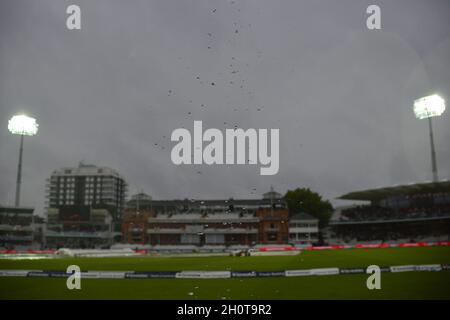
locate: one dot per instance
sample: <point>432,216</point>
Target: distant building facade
<point>303,229</point>
<point>205,222</point>
<point>273,224</point>
<point>135,225</point>
<point>85,203</point>
<point>19,228</point>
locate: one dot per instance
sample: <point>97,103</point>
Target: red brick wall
<point>273,225</point>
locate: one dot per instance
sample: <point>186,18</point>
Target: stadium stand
<point>19,228</point>
<point>414,212</point>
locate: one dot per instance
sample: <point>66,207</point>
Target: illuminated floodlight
<point>430,106</point>
<point>24,126</point>
<point>426,108</point>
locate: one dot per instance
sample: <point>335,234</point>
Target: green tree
<point>310,202</point>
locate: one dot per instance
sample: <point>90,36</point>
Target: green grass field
<point>409,285</point>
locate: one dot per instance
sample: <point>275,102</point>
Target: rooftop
<point>302,216</point>
<point>13,209</point>
<point>386,192</point>
<point>86,170</point>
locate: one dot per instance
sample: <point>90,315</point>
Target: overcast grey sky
<point>112,93</point>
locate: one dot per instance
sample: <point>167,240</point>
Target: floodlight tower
<point>426,108</point>
<point>24,126</point>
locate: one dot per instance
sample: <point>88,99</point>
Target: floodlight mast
<point>433,153</point>
<point>426,108</point>
<point>19,173</point>
<point>24,126</point>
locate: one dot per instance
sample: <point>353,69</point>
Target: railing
<point>231,230</point>
<point>8,227</point>
<point>74,234</point>
<point>303,230</point>
<point>205,231</point>
<point>16,238</point>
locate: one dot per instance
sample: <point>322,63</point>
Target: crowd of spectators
<point>79,228</point>
<point>403,232</point>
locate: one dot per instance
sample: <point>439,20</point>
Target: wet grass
<point>410,285</point>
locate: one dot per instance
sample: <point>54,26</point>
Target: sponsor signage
<point>403,268</point>
<point>216,274</point>
<point>278,248</point>
<point>159,274</point>
<point>271,273</point>
<point>111,275</point>
<point>40,274</point>
<point>414,244</point>
<point>324,271</point>
<point>297,273</point>
<point>352,270</point>
<point>429,267</point>
<point>14,273</point>
<point>203,274</point>
<point>326,247</point>
<point>376,245</point>
<point>103,275</point>
<point>90,275</point>
<point>58,274</point>
<point>132,275</point>
<point>243,274</point>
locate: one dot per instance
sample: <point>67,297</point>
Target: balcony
<point>231,231</point>
<point>6,227</point>
<point>165,231</point>
<point>303,230</point>
<point>15,238</point>
<point>75,234</point>
<point>205,231</point>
